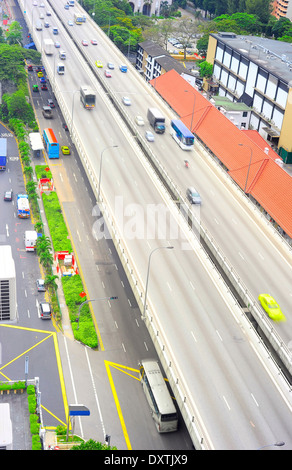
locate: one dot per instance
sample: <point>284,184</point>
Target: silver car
<point>149,136</point>
<point>193,196</point>
<point>126,101</point>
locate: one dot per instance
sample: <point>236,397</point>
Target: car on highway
<point>51,103</point>
<point>64,125</point>
<point>42,5</point>
<point>110,66</point>
<point>46,24</point>
<point>43,80</point>
<point>57,44</point>
<point>149,136</point>
<point>193,195</point>
<point>107,73</point>
<point>44,87</point>
<point>65,150</point>
<point>84,42</point>
<point>40,74</point>
<point>8,196</point>
<point>126,101</point>
<point>45,310</point>
<point>99,64</point>
<point>30,68</point>
<point>70,23</point>
<point>40,283</point>
<point>35,3</point>
<point>139,121</point>
<point>66,7</point>
<point>35,88</point>
<point>94,42</point>
<point>271,307</point>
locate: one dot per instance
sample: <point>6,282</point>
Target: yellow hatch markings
<point>123,369</point>
<point>50,334</point>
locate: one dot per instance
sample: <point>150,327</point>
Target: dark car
<point>51,103</point>
<point>44,87</point>
<point>8,196</point>
<point>65,126</point>
<point>30,68</point>
<point>40,285</point>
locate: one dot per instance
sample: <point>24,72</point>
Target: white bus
<point>87,97</point>
<point>158,396</point>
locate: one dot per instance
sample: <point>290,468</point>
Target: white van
<point>38,26</point>
<point>42,16</point>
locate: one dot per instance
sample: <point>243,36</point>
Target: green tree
<point>14,34</point>
<point>206,69</point>
<point>261,8</point>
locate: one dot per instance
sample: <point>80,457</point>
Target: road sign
<point>78,410</point>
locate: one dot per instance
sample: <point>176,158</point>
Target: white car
<point>149,136</point>
<point>126,101</point>
<point>139,121</point>
<point>70,23</point>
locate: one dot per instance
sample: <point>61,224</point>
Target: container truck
<point>156,120</point>
<point>48,46</point>
<point>3,154</point>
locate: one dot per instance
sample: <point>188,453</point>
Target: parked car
<point>40,285</point>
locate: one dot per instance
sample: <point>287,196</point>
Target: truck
<point>3,154</point>
<point>156,120</point>
<point>8,305</point>
<point>47,112</point>
<point>30,239</point>
<point>49,46</point>
<point>60,69</point>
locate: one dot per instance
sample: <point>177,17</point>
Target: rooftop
<point>229,105</point>
<point>274,56</point>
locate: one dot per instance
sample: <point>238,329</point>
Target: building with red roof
<point>243,155</point>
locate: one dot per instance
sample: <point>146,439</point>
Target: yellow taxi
<point>98,64</point>
<point>65,150</point>
<point>40,74</point>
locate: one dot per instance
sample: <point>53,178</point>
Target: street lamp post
<point>189,91</point>
<point>147,277</point>
<point>277,444</point>
<point>100,165</point>
<point>243,145</point>
<point>91,300</point>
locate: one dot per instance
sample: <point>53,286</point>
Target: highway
<point>234,394</point>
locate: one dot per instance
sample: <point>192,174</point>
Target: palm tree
<point>43,244</point>
<point>46,259</point>
<point>50,281</point>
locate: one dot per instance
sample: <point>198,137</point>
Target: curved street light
<point>148,270</point>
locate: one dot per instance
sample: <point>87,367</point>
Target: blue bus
<point>51,143</point>
<point>182,135</point>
